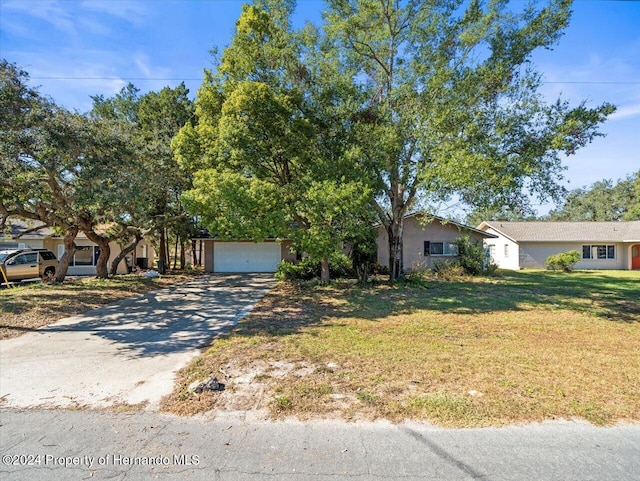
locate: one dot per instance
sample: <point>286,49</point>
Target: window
<point>47,255</point>
<point>84,256</point>
<point>27,258</point>
<point>440,248</point>
<point>492,251</point>
<point>506,250</point>
<point>599,252</point>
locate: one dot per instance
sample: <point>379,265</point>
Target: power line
<point>578,82</point>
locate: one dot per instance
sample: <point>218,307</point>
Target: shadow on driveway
<point>127,351</point>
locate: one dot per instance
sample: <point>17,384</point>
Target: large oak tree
<point>452,105</point>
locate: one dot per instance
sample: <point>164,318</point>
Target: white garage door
<point>246,256</point>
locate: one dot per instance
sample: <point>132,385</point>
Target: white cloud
<point>132,12</point>
<point>626,112</point>
<point>50,11</point>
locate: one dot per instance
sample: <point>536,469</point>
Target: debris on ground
<point>210,385</point>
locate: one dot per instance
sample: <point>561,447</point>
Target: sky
<point>74,49</point>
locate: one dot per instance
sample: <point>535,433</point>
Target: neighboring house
<point>602,245</point>
<point>425,243</point>
<point>87,252</point>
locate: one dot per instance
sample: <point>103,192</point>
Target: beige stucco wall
<point>534,255</point>
<point>414,237</point>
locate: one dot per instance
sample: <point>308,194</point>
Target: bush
<point>448,270</point>
<point>565,261</point>
<point>307,269</point>
<point>340,266</point>
<point>302,271</point>
<point>471,256</point>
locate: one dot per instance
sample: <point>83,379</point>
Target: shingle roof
<point>568,231</point>
<point>17,226</point>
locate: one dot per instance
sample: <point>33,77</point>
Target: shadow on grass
<point>612,296</point>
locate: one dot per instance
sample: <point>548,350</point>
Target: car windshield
<point>4,255</point>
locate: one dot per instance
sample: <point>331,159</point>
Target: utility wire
<point>587,82</point>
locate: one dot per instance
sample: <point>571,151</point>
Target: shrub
<point>303,271</point>
<point>340,266</point>
<point>565,261</point>
<point>307,269</point>
<point>471,256</point>
<point>448,270</point>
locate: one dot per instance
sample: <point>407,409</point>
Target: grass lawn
<point>524,346</point>
<point>29,306</point>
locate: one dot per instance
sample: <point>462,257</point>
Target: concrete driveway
<point>126,352</point>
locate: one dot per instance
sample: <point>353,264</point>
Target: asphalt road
<point>79,445</point>
<point>125,352</point>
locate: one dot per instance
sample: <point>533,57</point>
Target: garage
<point>246,256</point>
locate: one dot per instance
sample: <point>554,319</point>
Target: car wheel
<point>49,274</point>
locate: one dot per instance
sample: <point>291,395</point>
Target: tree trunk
<point>200,255</point>
<point>175,253</point>
<point>394,232</point>
<point>324,271</point>
<point>67,257</point>
<point>124,252</point>
<point>102,269</point>
<point>162,253</point>
<point>183,256</point>
<point>194,254</point>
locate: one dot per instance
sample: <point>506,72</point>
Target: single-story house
<point>427,241</point>
<point>87,252</point>
<point>423,245</point>
<point>602,245</point>
<point>221,256</point>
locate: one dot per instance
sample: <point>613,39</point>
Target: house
<point>242,256</point>
<point>422,243</point>
<point>602,245</point>
<point>84,261</point>
<point>427,240</point>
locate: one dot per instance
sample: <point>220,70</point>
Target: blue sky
<point>75,48</point>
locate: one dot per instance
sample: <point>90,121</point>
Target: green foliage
<point>448,270</point>
<point>471,255</point>
<point>363,251</point>
<point>449,102</point>
<point>564,261</point>
<point>268,148</point>
<point>602,201</point>
<point>307,269</point>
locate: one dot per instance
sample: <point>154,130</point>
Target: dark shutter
<point>427,248</point>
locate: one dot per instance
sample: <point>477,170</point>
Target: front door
<point>635,257</point>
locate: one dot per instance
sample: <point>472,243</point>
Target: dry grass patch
<point>525,347</point>
<point>30,306</point>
